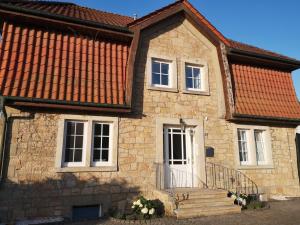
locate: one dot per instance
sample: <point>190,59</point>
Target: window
<point>74,143</point>
<point>87,142</point>
<point>254,146</point>
<point>193,77</point>
<point>161,73</point>
<point>101,143</point>
<point>259,144</point>
<point>243,146</point>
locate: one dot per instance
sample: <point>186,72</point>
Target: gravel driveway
<point>280,213</point>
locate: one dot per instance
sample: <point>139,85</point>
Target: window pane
<point>79,128</point>
<point>169,145</point>
<point>164,80</point>
<point>155,78</point>
<point>197,84</point>
<point>196,72</point>
<point>106,129</point>
<point>188,71</point>
<point>177,153</point>
<point>105,142</point>
<point>242,143</point>
<point>96,155</point>
<point>155,67</point>
<point>79,142</point>
<point>97,129</point>
<point>165,68</point>
<point>70,128</point>
<point>259,143</point>
<point>97,142</point>
<point>78,155</point>
<point>68,155</point>
<point>70,142</point>
<point>105,155</point>
<point>189,82</point>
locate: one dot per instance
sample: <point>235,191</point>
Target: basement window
<point>90,212</point>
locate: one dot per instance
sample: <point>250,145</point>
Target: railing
<point>221,177</point>
<point>168,179</point>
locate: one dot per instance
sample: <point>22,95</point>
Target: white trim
<point>199,153</point>
<point>172,72</point>
<point>204,73</point>
<point>252,161</point>
<point>298,129</point>
<point>87,164</point>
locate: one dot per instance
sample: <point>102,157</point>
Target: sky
<point>269,24</point>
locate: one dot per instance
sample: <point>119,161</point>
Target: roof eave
<point>293,64</point>
<point>270,119</point>
<point>76,21</point>
<point>22,101</point>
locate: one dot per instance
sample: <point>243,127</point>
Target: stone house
<point>98,108</point>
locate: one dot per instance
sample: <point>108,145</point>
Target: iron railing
<point>217,177</point>
<point>221,177</point>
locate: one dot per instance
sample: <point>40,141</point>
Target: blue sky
<point>270,24</point>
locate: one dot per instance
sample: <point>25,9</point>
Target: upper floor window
<point>193,77</point>
<point>161,72</point>
<point>254,146</point>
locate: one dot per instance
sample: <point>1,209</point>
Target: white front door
<point>178,157</point>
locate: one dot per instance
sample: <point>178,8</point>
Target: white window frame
<point>110,147</point>
<point>87,163</point>
<point>199,63</point>
<point>162,61</point>
<point>84,146</point>
<point>251,144</point>
<point>248,143</point>
<point>172,79</point>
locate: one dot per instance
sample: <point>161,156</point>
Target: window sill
<point>175,90</point>
<point>249,167</point>
<point>87,169</point>
<point>194,92</point>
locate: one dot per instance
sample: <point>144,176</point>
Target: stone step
<point>204,211</point>
<point>192,205</point>
<point>205,200</point>
<point>201,195</point>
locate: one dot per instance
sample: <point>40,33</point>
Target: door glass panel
<point>177,147</point>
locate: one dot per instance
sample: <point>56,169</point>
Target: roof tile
<point>264,92</point>
<point>37,63</point>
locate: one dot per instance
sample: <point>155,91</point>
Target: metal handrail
<point>221,177</point>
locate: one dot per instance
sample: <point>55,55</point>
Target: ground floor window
<point>254,145</point>
<point>87,141</point>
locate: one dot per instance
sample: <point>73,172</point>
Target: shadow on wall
<point>57,197</point>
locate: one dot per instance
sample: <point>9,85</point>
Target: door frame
<point>199,153</point>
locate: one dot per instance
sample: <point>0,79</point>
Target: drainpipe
<point>4,133</point>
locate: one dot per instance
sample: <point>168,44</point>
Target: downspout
<point>4,134</point>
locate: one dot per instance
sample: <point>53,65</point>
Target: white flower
<point>151,211</point>
<point>144,210</point>
<point>233,196</point>
<point>138,202</point>
<point>141,205</point>
<point>133,207</point>
<point>244,202</point>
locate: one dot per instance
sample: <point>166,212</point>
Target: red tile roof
<point>264,92</point>
<point>41,64</point>
<point>73,11</point>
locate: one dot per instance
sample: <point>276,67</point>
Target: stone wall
<point>33,188</point>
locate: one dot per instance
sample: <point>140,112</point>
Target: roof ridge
<point>39,1</point>
<point>98,10</point>
<point>274,52</point>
